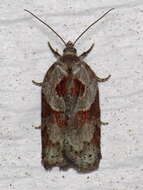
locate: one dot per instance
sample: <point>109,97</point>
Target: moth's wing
<point>82,140</point>
<point>52,122</point>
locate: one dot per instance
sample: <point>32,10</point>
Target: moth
<point>70,115</point>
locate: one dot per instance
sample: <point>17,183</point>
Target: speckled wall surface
<point>24,56</point>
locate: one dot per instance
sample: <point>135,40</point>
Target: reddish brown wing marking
<point>77,89</point>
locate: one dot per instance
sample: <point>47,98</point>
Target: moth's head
<point>69,49</point>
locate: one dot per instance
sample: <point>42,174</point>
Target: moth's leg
<point>55,52</point>
<point>104,123</point>
<point>102,79</point>
<point>84,54</point>
<point>37,83</point>
<point>101,123</point>
<point>38,127</point>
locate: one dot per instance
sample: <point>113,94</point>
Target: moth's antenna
<point>92,25</point>
<point>46,25</point>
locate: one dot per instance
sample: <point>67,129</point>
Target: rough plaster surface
<point>24,55</point>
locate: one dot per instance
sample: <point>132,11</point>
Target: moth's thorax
<point>69,58</point>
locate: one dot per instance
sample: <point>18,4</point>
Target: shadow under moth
<point>70,115</point>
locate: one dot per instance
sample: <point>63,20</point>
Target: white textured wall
<point>24,55</point>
